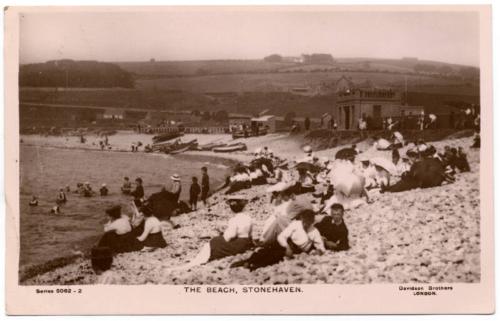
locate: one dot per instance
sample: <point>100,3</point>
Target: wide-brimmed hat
<point>175,177</point>
<point>307,149</point>
<point>279,187</point>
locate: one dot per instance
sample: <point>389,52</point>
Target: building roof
<point>238,116</point>
<point>263,118</point>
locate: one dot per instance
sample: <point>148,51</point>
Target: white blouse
<point>152,225</point>
<point>304,240</point>
<point>120,226</point>
<point>239,226</point>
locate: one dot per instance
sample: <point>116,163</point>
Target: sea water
<point>44,170</point>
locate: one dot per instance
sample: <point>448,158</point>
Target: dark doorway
<point>347,113</point>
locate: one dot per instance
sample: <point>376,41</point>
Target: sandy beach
<point>423,235</point>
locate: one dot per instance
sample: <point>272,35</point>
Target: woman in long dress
<point>117,234</point>
<point>152,236</point>
<point>236,239</point>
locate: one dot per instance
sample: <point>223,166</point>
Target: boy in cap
<point>194,191</point>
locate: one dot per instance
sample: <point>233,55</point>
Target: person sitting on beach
<point>425,172</point>
<point>381,144</point>
<point>280,174</point>
<point>309,154</point>
<point>333,229</point>
<point>117,232</point>
<point>400,164</point>
<point>286,208</point>
<point>240,180</point>
<point>398,140</point>
<point>299,236</point>
<point>103,190</point>
<point>476,141</point>
<point>305,182</point>
<point>194,191</point>
<point>421,146</point>
<point>127,186</point>
<point>61,197</point>
<point>101,259</point>
<point>461,162</point>
<point>137,219</point>
<point>87,190</point>
<point>369,173</point>
<point>152,236</point>
<point>236,239</point>
<point>34,201</point>
<point>256,175</point>
<point>138,192</point>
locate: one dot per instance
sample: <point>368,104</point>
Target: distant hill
<point>244,86</point>
<point>278,64</point>
<point>69,73</point>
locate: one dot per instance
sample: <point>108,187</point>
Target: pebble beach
<point>424,236</point>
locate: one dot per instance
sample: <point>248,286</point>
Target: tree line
<point>70,73</point>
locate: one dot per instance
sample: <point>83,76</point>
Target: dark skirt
<point>155,240</point>
<point>259,181</point>
<point>139,229</point>
<point>266,256</point>
<point>120,243</point>
<point>220,248</point>
<point>238,186</point>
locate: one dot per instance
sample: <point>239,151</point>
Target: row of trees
<point>70,73</point>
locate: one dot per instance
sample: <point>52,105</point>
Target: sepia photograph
<point>252,146</point>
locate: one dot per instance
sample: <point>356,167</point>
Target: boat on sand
<point>230,148</point>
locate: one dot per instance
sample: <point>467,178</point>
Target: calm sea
<point>44,170</point>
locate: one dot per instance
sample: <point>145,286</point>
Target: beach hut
<point>267,122</point>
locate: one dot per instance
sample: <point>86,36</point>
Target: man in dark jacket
<point>333,229</point>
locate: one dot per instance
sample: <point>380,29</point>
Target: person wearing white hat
<point>176,188</point>
<point>103,190</point>
<point>236,239</point>
<point>309,154</point>
<point>432,121</point>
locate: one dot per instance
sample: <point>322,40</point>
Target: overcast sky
<point>441,36</point>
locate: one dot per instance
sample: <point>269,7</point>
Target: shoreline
<point>381,249</point>
<point>30,270</point>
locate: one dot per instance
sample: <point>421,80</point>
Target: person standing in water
<point>61,197</point>
<point>138,192</point>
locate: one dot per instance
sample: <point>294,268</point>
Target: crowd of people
<point>308,197</point>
